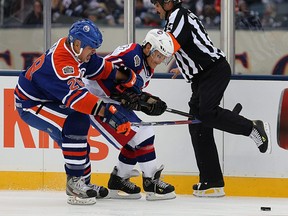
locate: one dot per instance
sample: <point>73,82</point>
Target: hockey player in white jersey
<point>138,146</point>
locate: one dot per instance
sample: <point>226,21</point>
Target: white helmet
<point>160,41</point>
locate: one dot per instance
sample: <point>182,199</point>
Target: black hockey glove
<point>151,105</point>
<point>128,99</point>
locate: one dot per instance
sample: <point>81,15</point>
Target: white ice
<point>42,203</point>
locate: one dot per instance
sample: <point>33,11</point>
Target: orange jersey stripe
<point>107,69</point>
<point>20,94</point>
<point>86,104</point>
<point>71,98</point>
<point>58,120</point>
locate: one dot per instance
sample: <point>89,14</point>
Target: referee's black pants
<point>208,88</point>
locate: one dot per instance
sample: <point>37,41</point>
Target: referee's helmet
<point>161,2</point>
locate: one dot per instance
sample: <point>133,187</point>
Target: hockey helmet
<point>86,32</point>
<point>161,41</point>
<point>161,2</point>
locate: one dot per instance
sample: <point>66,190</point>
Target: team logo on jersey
<point>137,60</point>
<point>68,70</point>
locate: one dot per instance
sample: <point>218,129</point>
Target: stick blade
<point>282,120</point>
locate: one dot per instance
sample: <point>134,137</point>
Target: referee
<point>205,67</point>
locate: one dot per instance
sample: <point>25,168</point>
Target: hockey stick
<point>161,123</point>
<point>237,109</point>
<point>178,112</point>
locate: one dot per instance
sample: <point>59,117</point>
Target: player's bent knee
<point>76,123</point>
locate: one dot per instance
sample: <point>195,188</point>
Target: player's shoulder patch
<point>64,64</point>
<point>68,70</point>
<point>137,60</point>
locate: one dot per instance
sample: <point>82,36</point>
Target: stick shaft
<point>237,109</point>
<point>162,123</point>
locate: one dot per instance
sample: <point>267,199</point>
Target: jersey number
<point>34,67</point>
<point>75,83</point>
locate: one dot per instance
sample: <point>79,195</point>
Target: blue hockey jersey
<point>56,77</point>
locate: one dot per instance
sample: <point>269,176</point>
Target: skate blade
<point>73,200</point>
<point>117,194</point>
<point>211,192</point>
<point>151,196</point>
<point>267,130</point>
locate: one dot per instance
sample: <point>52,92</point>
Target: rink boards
<point>30,160</point>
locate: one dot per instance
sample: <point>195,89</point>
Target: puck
<point>265,208</point>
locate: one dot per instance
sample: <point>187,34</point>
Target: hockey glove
<point>129,99</point>
<point>116,120</point>
<point>134,81</point>
<point>151,105</point>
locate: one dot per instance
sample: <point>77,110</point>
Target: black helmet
<point>161,2</point>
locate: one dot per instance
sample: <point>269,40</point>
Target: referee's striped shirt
<point>197,51</point>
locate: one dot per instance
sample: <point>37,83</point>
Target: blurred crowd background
<point>250,14</point>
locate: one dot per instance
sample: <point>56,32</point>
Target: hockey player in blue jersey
<point>51,97</point>
<point>138,146</point>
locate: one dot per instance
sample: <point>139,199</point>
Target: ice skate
<point>122,188</point>
<point>78,192</point>
<point>206,189</point>
<point>102,192</point>
<point>261,136</point>
<point>156,189</point>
